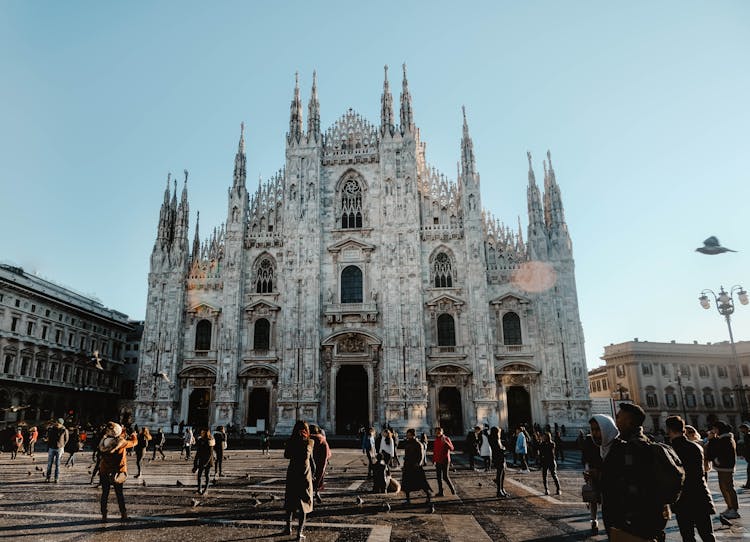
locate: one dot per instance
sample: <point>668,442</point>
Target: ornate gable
<point>203,310</point>
<point>261,307</point>
<point>350,140</point>
<point>351,246</point>
<point>445,302</point>
<point>510,302</point>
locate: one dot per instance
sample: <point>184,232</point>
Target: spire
<point>553,208</point>
<point>468,166</point>
<point>196,238</point>
<point>386,107</point>
<point>183,199</point>
<point>313,112</point>
<point>407,116</point>
<point>295,114</point>
<point>239,160</point>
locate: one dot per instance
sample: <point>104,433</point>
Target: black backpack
<point>668,472</point>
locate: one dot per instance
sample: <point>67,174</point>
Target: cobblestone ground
<point>246,504</point>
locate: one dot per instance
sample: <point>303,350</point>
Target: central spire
<point>468,165</point>
<point>240,160</point>
<point>295,113</point>
<point>407,116</point>
<point>386,107</point>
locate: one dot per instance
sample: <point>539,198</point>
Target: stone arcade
<point>360,285</point>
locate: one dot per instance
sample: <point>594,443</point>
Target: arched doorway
<point>200,399</point>
<point>449,411</point>
<point>258,407</point>
<point>519,407</point>
<point>351,399</point>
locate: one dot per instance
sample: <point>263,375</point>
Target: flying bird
<point>431,510</point>
<point>163,376</point>
<point>712,246</point>
<point>15,408</point>
<point>96,361</point>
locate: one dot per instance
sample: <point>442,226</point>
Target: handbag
<point>120,477</point>
<point>589,494</point>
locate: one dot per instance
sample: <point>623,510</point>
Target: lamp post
<point>725,305</point>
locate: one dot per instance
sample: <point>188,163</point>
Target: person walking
<point>498,460</point>
<point>264,443</point>
<point>321,455</point>
<point>16,443</point>
<point>721,451</point>
<point>33,437</point>
<point>548,463</point>
<point>159,440</point>
<point>298,493</point>
<point>522,449</point>
<point>424,440</point>
<point>113,466</point>
<point>743,449</point>
<point>413,475</point>
<point>368,448</point>
<point>204,458</point>
<point>695,505</point>
<point>485,451</point>
<point>188,440</point>
<point>441,457</point>
<point>594,448</point>
<point>471,446</point>
<point>73,446</point>
<point>559,452</point>
<point>386,446</point>
<point>56,439</point>
<point>144,436</point>
<point>220,438</point>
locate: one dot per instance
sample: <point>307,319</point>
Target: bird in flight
<point>712,246</point>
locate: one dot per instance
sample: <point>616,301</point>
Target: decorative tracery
<point>442,271</point>
<point>264,277</point>
<point>351,204</point>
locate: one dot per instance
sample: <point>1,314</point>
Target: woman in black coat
<point>414,478</point>
<point>298,496</point>
<point>498,460</point>
<point>204,458</point>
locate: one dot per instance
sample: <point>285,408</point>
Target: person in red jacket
<point>113,465</point>
<point>441,456</point>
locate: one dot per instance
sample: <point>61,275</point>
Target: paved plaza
<point>246,504</point>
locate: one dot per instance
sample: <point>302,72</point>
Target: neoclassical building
<point>360,285</point>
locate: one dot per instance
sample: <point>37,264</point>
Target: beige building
<point>696,381</point>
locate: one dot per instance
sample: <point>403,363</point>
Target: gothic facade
<point>360,285</point>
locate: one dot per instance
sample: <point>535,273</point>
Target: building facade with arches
<point>359,286</point>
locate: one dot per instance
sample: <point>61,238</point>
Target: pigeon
<point>360,501</point>
<point>431,509</point>
<point>712,246</point>
<point>96,361</point>
<point>480,484</point>
<point>274,497</point>
<point>386,506</point>
<point>179,484</point>
<point>344,469</point>
<point>28,473</point>
<point>255,502</point>
<point>194,502</point>
<point>143,483</point>
<point>41,469</point>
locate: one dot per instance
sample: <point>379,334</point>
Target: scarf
<point>609,432</point>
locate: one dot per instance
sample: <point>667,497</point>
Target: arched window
<point>670,397</point>
<point>442,271</point>
<point>511,329</point>
<point>708,398</point>
<point>264,277</point>
<point>203,335</point>
<point>351,284</point>
<point>351,205</point>
<point>651,399</point>
<point>727,398</point>
<point>262,335</point>
<point>446,329</point>
<point>689,397</point>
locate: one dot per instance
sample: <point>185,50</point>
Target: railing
<point>513,350</point>
<point>446,351</point>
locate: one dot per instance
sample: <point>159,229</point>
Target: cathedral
<point>359,285</point>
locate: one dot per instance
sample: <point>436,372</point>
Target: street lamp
<point>725,305</point>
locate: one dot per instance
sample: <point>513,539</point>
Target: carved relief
<point>351,344</point>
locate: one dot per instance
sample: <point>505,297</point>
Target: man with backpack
<point>639,479</point>
<point>695,505</point>
<point>721,450</point>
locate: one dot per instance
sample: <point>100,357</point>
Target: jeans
<point>726,486</point>
<point>441,470</point>
<point>107,481</point>
<point>553,471</point>
<point>689,522</point>
<point>53,456</point>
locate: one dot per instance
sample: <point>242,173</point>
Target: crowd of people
<point>632,478</point>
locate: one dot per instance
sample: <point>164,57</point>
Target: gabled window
<point>446,329</point>
<point>511,329</point>
<point>262,335</point>
<point>351,285</point>
<point>203,335</point>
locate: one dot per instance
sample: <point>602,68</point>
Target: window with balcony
<point>727,399</point>
<point>446,329</point>
<point>8,363</point>
<point>670,397</point>
<point>690,401</point>
<point>25,365</point>
<point>14,323</point>
<point>351,285</point>
<point>703,371</point>
<point>203,335</point>
<point>511,329</point>
<point>721,371</point>
<point>646,369</point>
<point>262,335</point>
<point>651,398</point>
<point>708,398</point>
<point>620,369</point>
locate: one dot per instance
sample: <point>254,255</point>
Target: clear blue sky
<point>644,105</point>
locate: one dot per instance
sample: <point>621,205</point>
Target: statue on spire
<point>407,116</point>
<point>386,107</point>
<point>313,112</point>
<point>295,113</point>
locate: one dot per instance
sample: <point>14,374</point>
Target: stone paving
<point>246,504</point>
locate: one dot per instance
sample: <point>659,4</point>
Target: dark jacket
<point>547,453</point>
<point>498,453</point>
<point>629,499</point>
<point>471,444</point>
<point>219,439</point>
<point>298,494</point>
<point>159,439</point>
<point>204,452</point>
<point>721,451</point>
<point>413,476</point>
<point>695,498</point>
<point>57,437</point>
